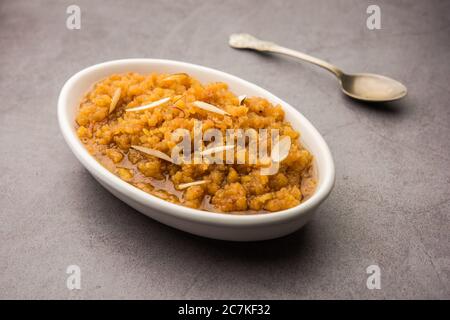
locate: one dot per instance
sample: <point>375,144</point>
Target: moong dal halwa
<point>127,123</point>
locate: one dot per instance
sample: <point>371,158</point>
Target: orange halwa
<point>108,132</point>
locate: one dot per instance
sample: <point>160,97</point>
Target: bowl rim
<point>181,212</point>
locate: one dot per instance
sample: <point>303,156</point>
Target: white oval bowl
<point>203,223</point>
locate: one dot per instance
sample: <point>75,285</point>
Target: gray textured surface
<point>390,206</point>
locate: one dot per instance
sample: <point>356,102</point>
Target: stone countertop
<point>390,206</point>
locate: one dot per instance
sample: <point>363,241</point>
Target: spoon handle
<point>247,41</point>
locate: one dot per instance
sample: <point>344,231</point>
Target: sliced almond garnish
<point>209,107</point>
<point>216,149</point>
<point>115,99</point>
<point>175,76</point>
<point>149,106</point>
<point>242,98</point>
<point>153,152</point>
<point>179,109</point>
<point>281,149</point>
<point>190,184</point>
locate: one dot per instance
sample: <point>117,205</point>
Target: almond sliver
<point>153,152</point>
<point>281,149</point>
<point>242,98</point>
<point>115,99</point>
<point>216,149</point>
<point>175,76</point>
<point>190,184</point>
<point>209,107</point>
<point>149,106</point>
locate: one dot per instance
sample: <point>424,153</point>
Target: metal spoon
<point>361,86</point>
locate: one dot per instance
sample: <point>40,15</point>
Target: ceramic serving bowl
<point>208,224</point>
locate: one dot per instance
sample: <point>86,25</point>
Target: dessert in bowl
<point>119,118</point>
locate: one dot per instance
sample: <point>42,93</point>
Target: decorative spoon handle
<point>247,41</point>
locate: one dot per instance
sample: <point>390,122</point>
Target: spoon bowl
<point>372,87</point>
